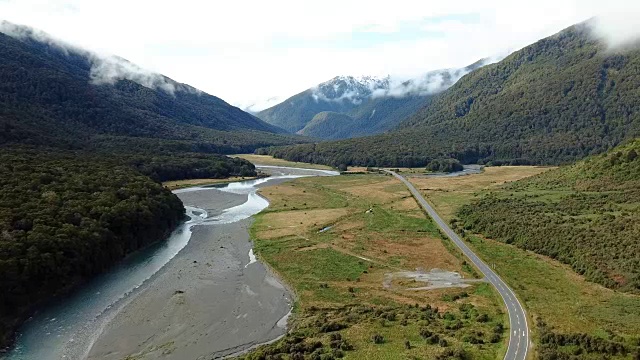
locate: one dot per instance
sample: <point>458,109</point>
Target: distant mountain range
<point>555,101</point>
<point>56,94</point>
<point>359,106</point>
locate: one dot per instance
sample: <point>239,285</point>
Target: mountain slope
<point>555,101</point>
<point>339,94</point>
<point>585,215</point>
<point>54,93</point>
<point>376,105</point>
<point>326,122</point>
<point>84,143</point>
<point>373,116</point>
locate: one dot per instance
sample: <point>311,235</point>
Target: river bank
<point>213,300</point>
<point>199,294</point>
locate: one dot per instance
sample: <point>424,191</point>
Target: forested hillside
<point>586,215</point>
<point>49,95</point>
<point>327,122</point>
<point>561,99</point>
<point>64,218</point>
<point>81,162</point>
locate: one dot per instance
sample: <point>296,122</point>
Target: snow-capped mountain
<point>350,88</point>
<point>376,104</point>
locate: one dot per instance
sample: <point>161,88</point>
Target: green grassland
<point>574,317</point>
<point>342,308</point>
<point>270,160</point>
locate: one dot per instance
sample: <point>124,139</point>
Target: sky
<point>249,51</point>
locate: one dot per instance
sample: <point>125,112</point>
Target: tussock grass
<point>338,274</point>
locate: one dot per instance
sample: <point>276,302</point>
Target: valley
<point>336,240</point>
<point>567,314</point>
<point>553,102</point>
<point>485,210</point>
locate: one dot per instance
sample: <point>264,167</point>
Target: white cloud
<point>619,25</point>
<point>105,68</point>
<point>229,48</point>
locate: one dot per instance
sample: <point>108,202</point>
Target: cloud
<point>258,105</point>
<point>430,83</point>
<point>27,33</point>
<point>105,69</point>
<point>618,25</point>
<point>109,70</point>
<point>247,50</point>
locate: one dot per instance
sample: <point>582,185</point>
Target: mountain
<point>54,93</point>
<point>375,105</point>
<point>585,215</point>
<point>326,122</point>
<point>253,107</point>
<point>339,94</point>
<point>560,99</point>
<point>84,142</point>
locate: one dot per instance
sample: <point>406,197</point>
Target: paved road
<point>519,330</point>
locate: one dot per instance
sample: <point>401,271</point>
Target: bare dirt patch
<point>433,279</point>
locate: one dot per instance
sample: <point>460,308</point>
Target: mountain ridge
<point>553,102</point>
<point>51,93</point>
<point>393,99</point>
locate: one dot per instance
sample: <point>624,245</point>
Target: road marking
<point>523,333</point>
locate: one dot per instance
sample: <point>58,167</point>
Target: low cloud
<point>617,24</point>
<point>430,83</point>
<point>109,70</point>
<point>105,69</point>
<point>358,89</point>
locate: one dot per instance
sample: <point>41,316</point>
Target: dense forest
<point>586,215</point>
<point>67,217</point>
<point>558,100</point>
<point>49,96</point>
<point>327,122</point>
<point>80,166</point>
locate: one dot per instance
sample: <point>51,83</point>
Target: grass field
<point>551,291</point>
<point>335,240</point>
<point>270,160</point>
<point>180,184</point>
<point>447,194</point>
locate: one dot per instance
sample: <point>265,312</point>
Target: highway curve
<point>519,329</point>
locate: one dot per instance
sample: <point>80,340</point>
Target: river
<point>70,327</point>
